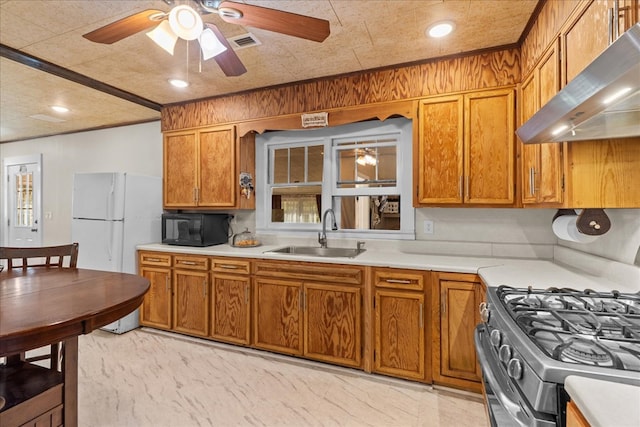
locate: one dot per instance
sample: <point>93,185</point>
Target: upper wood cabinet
<point>602,173</point>
<point>201,168</point>
<point>465,149</point>
<point>542,166</point>
<point>588,32</point>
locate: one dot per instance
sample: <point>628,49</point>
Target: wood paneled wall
<point>547,26</point>
<point>460,73</point>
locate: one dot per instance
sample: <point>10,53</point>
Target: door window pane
<point>24,199</point>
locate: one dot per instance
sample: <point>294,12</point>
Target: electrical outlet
<point>428,227</point>
<point>48,215</point>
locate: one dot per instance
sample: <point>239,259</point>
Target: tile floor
<point>150,378</point>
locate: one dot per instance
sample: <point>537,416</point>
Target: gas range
<point>532,339</point>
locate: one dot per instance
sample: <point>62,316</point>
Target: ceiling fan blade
<point>278,21</point>
<point>125,27</point>
<point>227,60</point>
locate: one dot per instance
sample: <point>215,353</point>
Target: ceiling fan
<point>185,22</point>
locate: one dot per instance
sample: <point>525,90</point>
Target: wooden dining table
<point>41,306</point>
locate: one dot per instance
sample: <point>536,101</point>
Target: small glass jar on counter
<point>246,239</point>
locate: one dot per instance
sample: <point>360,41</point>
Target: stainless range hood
<point>603,101</point>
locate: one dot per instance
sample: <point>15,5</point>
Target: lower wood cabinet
<point>332,323</point>
<point>399,307</point>
<point>309,310</point>
<point>155,310</point>
<point>278,315</point>
<point>191,295</point>
<point>230,300</point>
<point>415,324</point>
<point>454,356</point>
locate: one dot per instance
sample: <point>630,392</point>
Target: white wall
<point>133,149</point>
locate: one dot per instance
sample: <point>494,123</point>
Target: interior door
<point>24,196</point>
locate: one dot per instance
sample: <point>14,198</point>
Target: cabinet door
<point>604,173</point>
<point>459,316</point>
<point>586,38</point>
<point>278,315</point>
<point>180,171</point>
<point>529,105</point>
<point>489,147</point>
<point>218,178</point>
<point>332,323</point>
<point>156,307</point>
<point>191,302</point>
<point>549,168</point>
<point>230,315</point>
<point>542,167</point>
<point>399,334</point>
<point>440,150</point>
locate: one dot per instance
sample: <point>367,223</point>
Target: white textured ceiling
<point>365,34</point>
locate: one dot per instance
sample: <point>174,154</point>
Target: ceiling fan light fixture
<point>185,22</point>
<point>164,37</point>
<point>441,29</point>
<point>210,44</point>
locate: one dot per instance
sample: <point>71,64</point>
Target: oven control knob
<point>496,338</point>
<point>505,353</point>
<point>485,313</point>
<point>514,369</point>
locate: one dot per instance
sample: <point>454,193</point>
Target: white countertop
<point>605,403</point>
<point>493,271</point>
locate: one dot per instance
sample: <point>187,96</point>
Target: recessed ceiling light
<point>59,109</point>
<point>441,29</point>
<point>178,83</point>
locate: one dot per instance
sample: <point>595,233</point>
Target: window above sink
<point>357,170</point>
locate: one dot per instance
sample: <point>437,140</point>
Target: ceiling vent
<point>243,41</point>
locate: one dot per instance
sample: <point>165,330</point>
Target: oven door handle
<point>497,380</point>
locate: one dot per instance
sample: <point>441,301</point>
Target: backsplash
<point>621,243</point>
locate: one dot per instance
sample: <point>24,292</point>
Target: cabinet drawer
<point>232,266</point>
<point>334,273</point>
<point>158,259</point>
<point>191,262</point>
<point>399,279</point>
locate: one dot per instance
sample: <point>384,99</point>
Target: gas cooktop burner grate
<point>585,327</point>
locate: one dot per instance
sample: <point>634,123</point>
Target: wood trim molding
<point>56,70</point>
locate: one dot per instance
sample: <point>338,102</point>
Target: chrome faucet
<point>322,237</point>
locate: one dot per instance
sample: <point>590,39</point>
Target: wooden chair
<point>62,256</point>
<point>54,256</point>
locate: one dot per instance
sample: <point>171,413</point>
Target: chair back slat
<point>54,256</point>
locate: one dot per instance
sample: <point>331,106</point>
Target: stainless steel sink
<point>319,252</point>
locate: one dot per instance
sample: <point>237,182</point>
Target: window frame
<point>331,194</point>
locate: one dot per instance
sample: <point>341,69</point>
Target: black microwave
<point>195,229</point>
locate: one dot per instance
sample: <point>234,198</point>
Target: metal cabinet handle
<point>168,285</point>
<point>152,259</point>
<point>460,186</point>
<point>616,19</point>
<point>204,288</point>
<point>532,181</point>
<point>246,293</point>
<point>443,303</point>
<point>421,317</point>
<point>398,281</point>
<point>229,266</point>
<point>187,262</point>
<point>466,188</point>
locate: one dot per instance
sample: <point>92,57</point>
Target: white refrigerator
<point>112,213</point>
